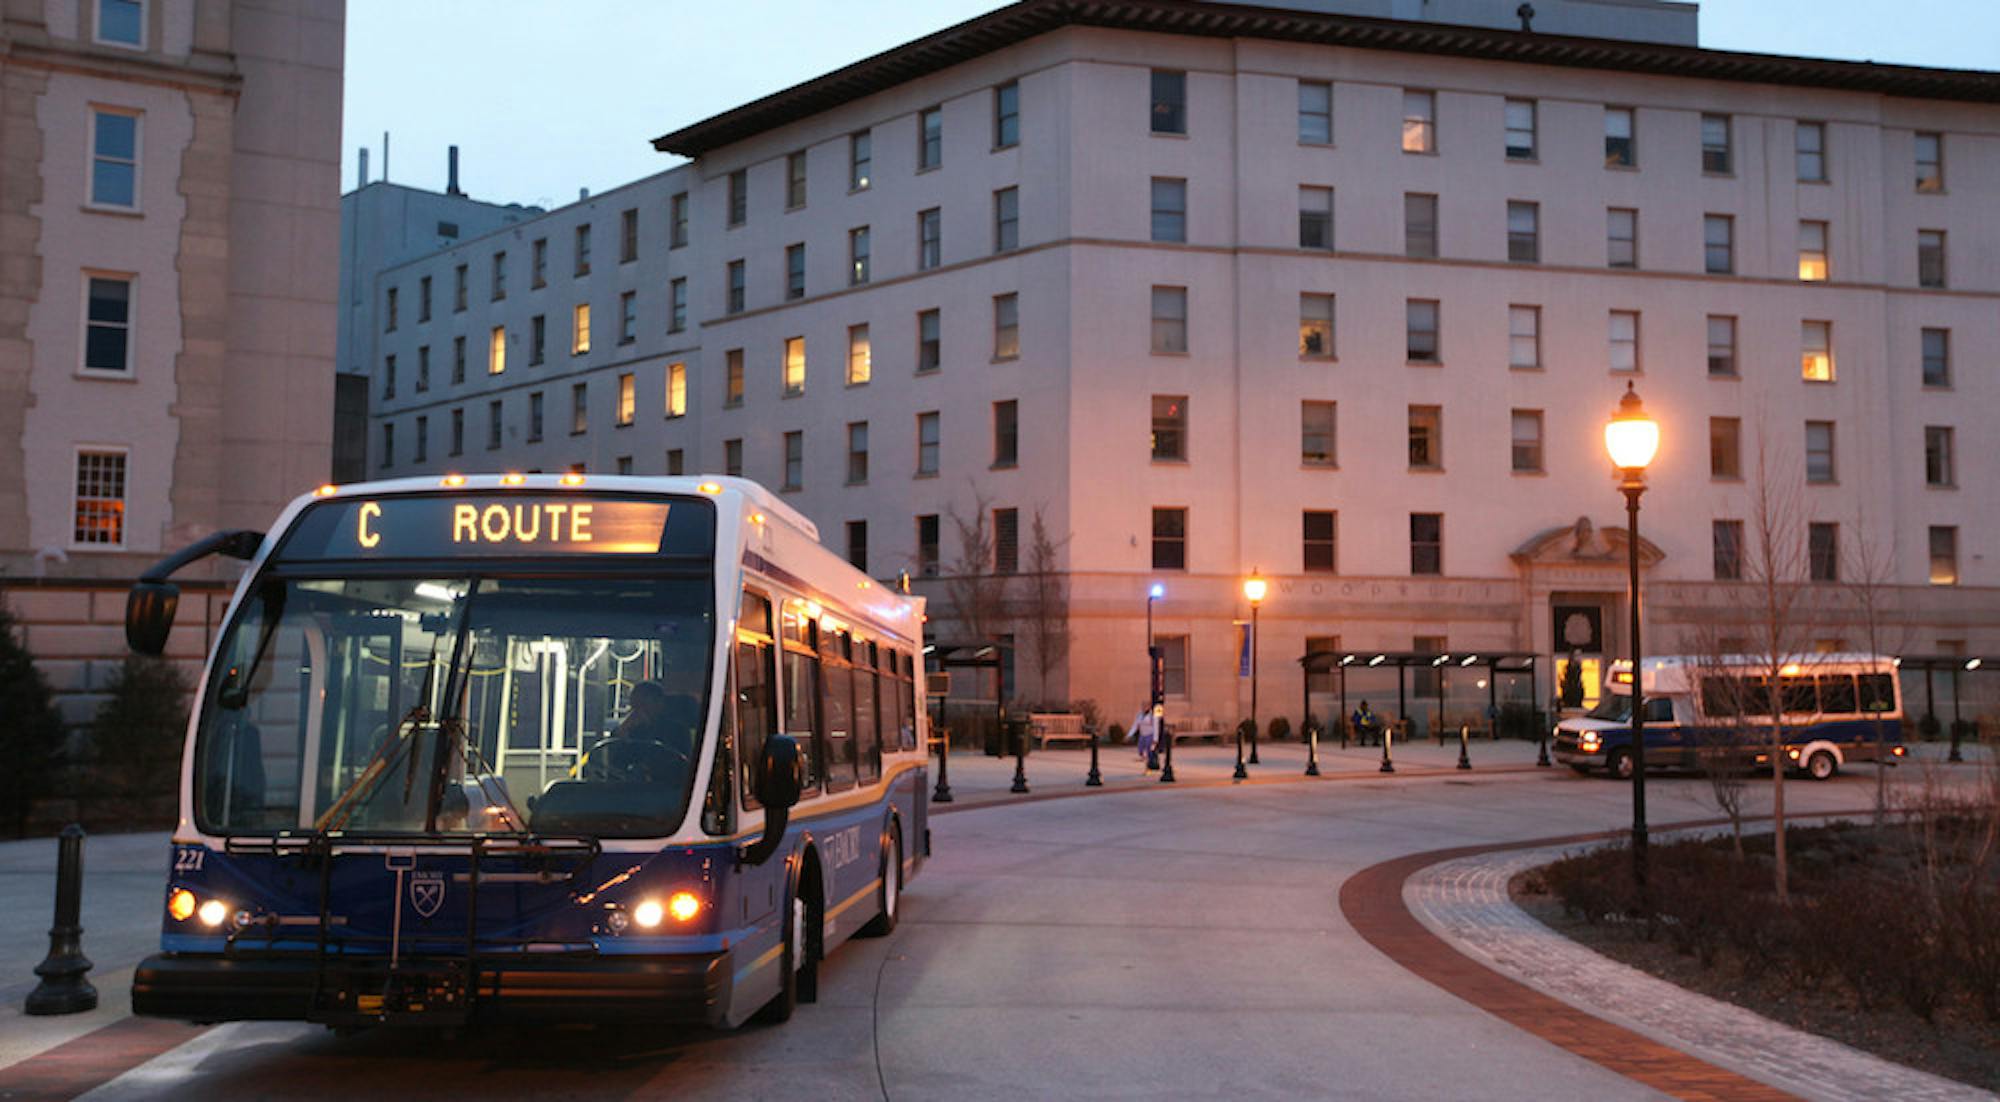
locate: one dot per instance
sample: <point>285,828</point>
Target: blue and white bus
<point>536,746</point>
<point>1716,712</point>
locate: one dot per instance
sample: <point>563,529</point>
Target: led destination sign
<point>505,524</point>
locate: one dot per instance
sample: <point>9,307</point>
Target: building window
<point>1318,427</point>
<point>1426,438</point>
<point>1816,351</point>
<point>107,325</point>
<point>1621,237</point>
<point>389,311</point>
<point>579,408</point>
<point>1420,225</point>
<point>1007,116</point>
<point>1524,234</point>
<point>583,249</point>
<point>493,422</point>
<point>1624,340</point>
<point>927,545</point>
<point>677,390</point>
<point>1170,539</point>
<point>499,289</point>
<point>496,350</point>
<point>1169,101</point>
<point>930,138</point>
<point>1173,664</point>
<point>121,23</point>
<point>1718,238</point>
<point>1419,121</point>
<point>1944,555</point>
<point>628,399</point>
<point>860,356</point>
<point>927,444</point>
<point>1006,541</point>
<point>1315,326</point>
<point>1006,433</point>
<point>795,271</point>
<point>1813,267</point>
<point>676,461</point>
<point>628,317</point>
<point>857,544</point>
<point>1006,219</point>
<point>114,159</point>
<point>1725,447</point>
<point>1930,162</point>
<point>1727,539</point>
<point>1620,148</point>
<point>795,180</point>
<point>538,335</point>
<point>98,519</point>
<point>1524,337</point>
<point>857,256</point>
<point>628,235</point>
<point>1006,326</point>
<point>1823,551</point>
<point>423,368</point>
<point>732,457</point>
<point>1426,543</point>
<point>1420,323</point>
<point>677,304</point>
<point>1937,357</point>
<point>1316,218</point>
<point>1315,112</point>
<point>1170,414</point>
<point>734,303</point>
<point>538,269</point>
<point>624,464</point>
<point>677,220</point>
<point>458,281</point>
<point>389,376</point>
<point>423,441</point>
<point>1170,319</point>
<point>424,299</point>
<point>1811,137</point>
<point>930,345</point>
<point>1521,130</point>
<point>1320,528</point>
<point>739,197</point>
<point>457,360</point>
<point>579,332</point>
<point>1169,208</point>
<point>795,461</point>
<point>1819,452</point>
<point>1721,346</point>
<point>1930,258</point>
<point>388,444</point>
<point>1527,452</point>
<point>534,416</point>
<point>1715,152</point>
<point>458,432</point>
<point>795,366</point>
<point>1938,469</point>
<point>930,239</point>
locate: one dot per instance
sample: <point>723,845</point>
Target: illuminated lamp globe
<point>1254,587</point>
<point>1631,436</point>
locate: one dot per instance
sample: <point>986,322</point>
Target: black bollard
<point>1343,733</point>
<point>1955,755</point>
<point>1241,773</point>
<point>1312,750</point>
<point>1096,779</point>
<point>1253,746</point>
<point>1387,736</point>
<point>1542,749</point>
<point>1464,758</point>
<point>1020,786</point>
<point>63,989</point>
<point>1167,768</point>
<point>942,793</point>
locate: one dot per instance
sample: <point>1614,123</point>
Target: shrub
<point>1115,732</point>
<point>135,738</point>
<point>31,730</point>
<point>1281,728</point>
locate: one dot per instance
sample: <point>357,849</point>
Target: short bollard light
<point>1312,749</point>
<point>1388,736</point>
<point>1095,779</point>
<point>1464,753</point>
<point>63,988</point>
<point>942,793</point>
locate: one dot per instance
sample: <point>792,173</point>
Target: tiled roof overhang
<point>1022,21</point>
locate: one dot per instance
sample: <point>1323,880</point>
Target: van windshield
<point>1618,709</point>
<point>457,705</point>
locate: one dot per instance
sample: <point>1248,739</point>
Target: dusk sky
<point>544,98</point>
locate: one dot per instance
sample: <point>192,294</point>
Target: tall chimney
<point>385,156</point>
<point>364,167</point>
<point>451,173</point>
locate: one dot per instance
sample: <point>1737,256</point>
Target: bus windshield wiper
<point>397,742</point>
<point>452,707</point>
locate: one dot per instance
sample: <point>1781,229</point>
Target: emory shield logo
<point>426,892</point>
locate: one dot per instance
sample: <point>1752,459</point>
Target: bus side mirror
<point>779,782</point>
<point>149,615</point>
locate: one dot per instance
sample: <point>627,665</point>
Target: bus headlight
<point>180,905</point>
<point>683,906</point>
<point>648,914</point>
<point>213,912</point>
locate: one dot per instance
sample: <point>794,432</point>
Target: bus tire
<point>1821,766</point>
<point>779,1010</point>
<point>1618,766</point>
<point>889,895</point>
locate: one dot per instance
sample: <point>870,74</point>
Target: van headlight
<point>1589,742</point>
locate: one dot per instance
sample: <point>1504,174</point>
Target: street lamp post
<point>1254,588</point>
<point>1153,593</point>
<point>1632,438</point>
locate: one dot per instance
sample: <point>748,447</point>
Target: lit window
<point>99,518</point>
<point>1419,122</point>
<point>1521,130</point>
<point>1930,161</point>
<point>579,339</point>
<point>860,356</point>
<point>1316,326</point>
<point>628,399</point>
<point>1315,113</point>
<point>857,256</point>
<point>107,327</point>
<point>1816,351</point>
<point>114,159</point>
<point>795,366</point>
<point>496,350</point>
<point>1812,251</point>
<point>1725,447</point>
<point>860,159</point>
<point>677,390</point>
<point>1170,319</point>
<point>1426,438</point>
<point>1944,555</point>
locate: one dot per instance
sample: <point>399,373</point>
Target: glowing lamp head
<point>1631,436</point>
<point>1254,587</point>
<point>648,914</point>
<point>180,905</point>
<point>213,912</point>
<point>1158,591</point>
<point>683,906</point>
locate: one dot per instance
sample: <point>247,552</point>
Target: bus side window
<point>801,696</point>
<point>1801,695</point>
<point>753,713</point>
<point>717,808</point>
<point>1878,692</point>
<point>867,736</point>
<point>1836,694</point>
<point>1721,697</point>
<point>837,689</point>
<point>1660,709</point>
<point>906,702</point>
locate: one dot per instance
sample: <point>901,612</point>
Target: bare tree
<point>1048,601</point>
<point>978,594</point>
<point>1869,574</point>
<point>1720,738</point>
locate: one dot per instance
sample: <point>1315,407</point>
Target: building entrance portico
<point>1573,603</point>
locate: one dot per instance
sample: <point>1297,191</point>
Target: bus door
<point>756,717</point>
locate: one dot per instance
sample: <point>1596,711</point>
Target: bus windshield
<point>452,705</point>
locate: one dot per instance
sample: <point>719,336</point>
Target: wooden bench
<point>1059,726</point>
<point>1186,725</point>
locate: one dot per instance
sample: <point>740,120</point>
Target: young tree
<point>978,595</point>
<point>1048,601</point>
<point>1869,573</point>
<point>135,738</point>
<point>31,730</point>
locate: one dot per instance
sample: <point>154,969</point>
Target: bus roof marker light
<point>571,479</point>
<point>327,490</point>
<point>513,478</point>
<point>710,488</point>
<point>453,480</point>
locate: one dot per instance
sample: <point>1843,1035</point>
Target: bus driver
<point>651,743</point>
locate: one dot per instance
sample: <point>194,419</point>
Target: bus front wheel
<point>1821,766</point>
<point>1619,765</point>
